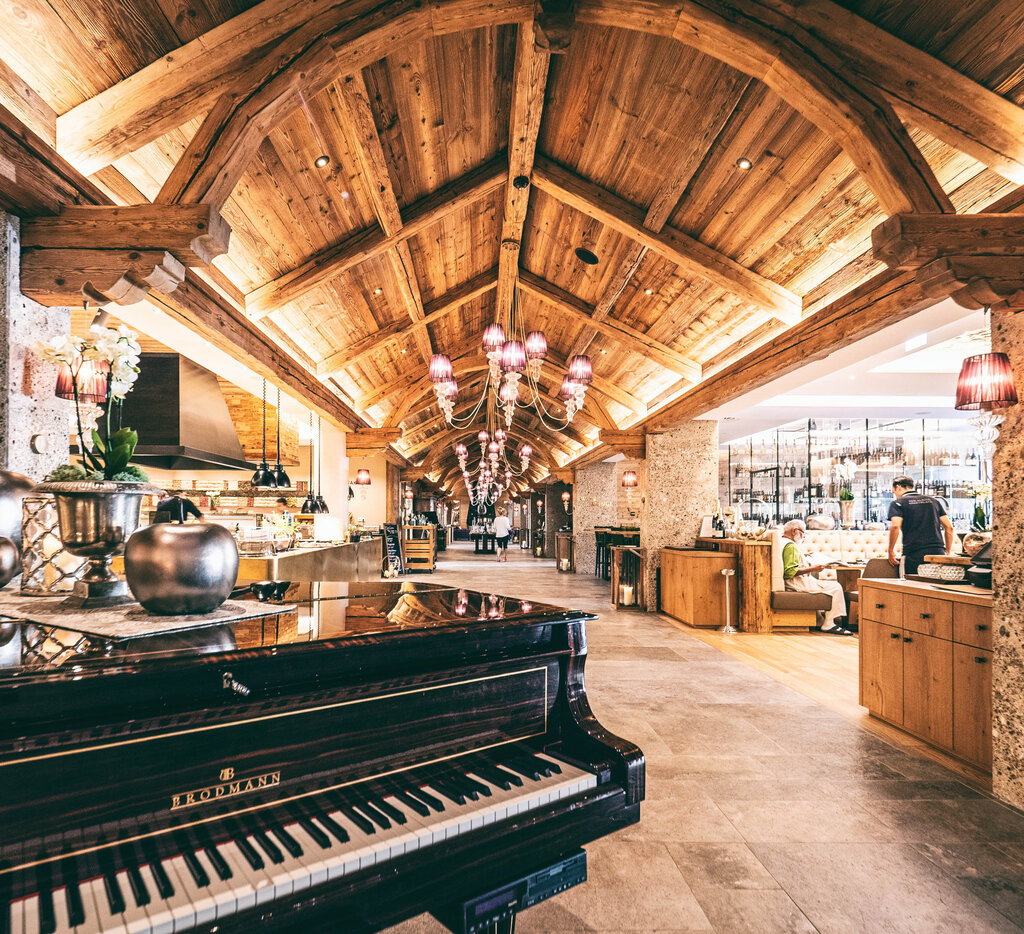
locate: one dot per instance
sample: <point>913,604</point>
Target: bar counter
<point>344,561</point>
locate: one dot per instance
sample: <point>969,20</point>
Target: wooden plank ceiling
<point>362,267</point>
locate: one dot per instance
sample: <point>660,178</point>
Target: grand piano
<point>371,752</point>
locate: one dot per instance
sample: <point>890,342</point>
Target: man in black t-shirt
<point>923,522</point>
<point>177,507</point>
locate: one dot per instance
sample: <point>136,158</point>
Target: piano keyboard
<point>211,872</point>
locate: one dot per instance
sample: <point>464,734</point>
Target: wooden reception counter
<point>693,586</point>
<point>926,663</point>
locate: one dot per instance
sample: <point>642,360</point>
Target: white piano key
<point>199,895</point>
<point>279,883</point>
<point>180,903</point>
<point>313,857</point>
<point>161,918</point>
<point>221,892</point>
<point>136,918</point>
<point>244,891</point>
<point>18,916</point>
<point>30,914</point>
<point>109,922</point>
<point>89,889</point>
<point>60,912</point>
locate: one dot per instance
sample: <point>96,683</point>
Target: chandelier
<point>513,354</point>
<point>494,473</point>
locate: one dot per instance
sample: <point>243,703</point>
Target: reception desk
<point>693,586</point>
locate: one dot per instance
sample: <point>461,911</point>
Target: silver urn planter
<point>178,570</point>
<point>96,518</point>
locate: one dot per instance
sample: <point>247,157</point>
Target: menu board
<point>393,547</point>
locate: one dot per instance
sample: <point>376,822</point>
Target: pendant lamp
<point>282,478</point>
<point>309,503</point>
<point>264,477</point>
<point>985,383</point>
<point>321,503</point>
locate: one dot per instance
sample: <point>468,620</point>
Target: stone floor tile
<point>723,865</point>
<point>993,872</point>
<point>753,912</point>
<point>824,820</point>
<point>960,820</point>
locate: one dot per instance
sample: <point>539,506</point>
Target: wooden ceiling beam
<point>632,443</point>
<point>529,80</point>
<point>361,246</point>
<point>632,338</point>
<point>436,310</point>
<point>690,255</point>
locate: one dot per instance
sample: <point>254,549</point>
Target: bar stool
<point>600,555</point>
<point>614,539</point>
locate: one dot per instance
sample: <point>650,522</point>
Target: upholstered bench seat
<point>800,600</point>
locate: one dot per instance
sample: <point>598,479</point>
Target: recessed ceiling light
<point>744,163</point>
<point>603,350</point>
<point>321,161</point>
<point>648,291</point>
<point>586,256</point>
<point>377,290</point>
<point>345,196</point>
<point>403,351</point>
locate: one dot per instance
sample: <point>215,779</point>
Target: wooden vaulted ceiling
<point>409,241</point>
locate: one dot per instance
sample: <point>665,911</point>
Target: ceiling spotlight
<point>345,196</point>
<point>648,291</point>
<point>321,161</point>
<point>521,182</point>
<point>377,290</point>
<point>744,163</point>
<point>603,350</point>
<point>403,350</point>
<point>586,256</point>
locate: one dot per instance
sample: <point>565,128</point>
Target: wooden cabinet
<point>693,587</point>
<point>928,667</point>
<point>881,670</point>
<point>972,713</point>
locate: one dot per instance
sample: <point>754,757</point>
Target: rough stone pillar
<point>34,425</point>
<point>1008,577</point>
<point>596,504</point>
<point>555,515</point>
<point>681,488</point>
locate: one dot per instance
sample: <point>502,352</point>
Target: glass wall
<point>813,466</point>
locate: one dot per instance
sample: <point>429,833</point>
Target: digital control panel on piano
<point>378,751</point>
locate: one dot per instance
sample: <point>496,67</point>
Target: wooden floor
<point>825,668</point>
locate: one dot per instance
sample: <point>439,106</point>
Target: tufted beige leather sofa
<point>848,545</point>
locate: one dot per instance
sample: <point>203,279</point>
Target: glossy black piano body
<point>127,750</point>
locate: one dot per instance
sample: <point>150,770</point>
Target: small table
<point>483,543</point>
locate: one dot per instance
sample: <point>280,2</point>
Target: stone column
<point>556,516</point>
<point>596,500</point>
<point>681,487</point>
<point>34,423</point>
<point>1008,577</point>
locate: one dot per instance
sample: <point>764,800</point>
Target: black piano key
<point>457,780</point>
<point>497,777</point>
<point>73,897</point>
<point>334,828</point>
<point>524,767</point>
<point>444,788</point>
<point>318,836</point>
<point>268,846</point>
<point>286,840</point>
<point>218,862</point>
<point>372,812</point>
<point>115,897</point>
<point>433,802</point>
<point>546,767</point>
<point>412,803</point>
<point>195,868</point>
<point>135,881</point>
<point>390,810</point>
<point>252,857</point>
<point>47,919</point>
<point>473,783</point>
<point>358,819</point>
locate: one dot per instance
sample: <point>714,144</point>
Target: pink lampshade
<point>580,369</point>
<point>483,437</point>
<point>362,477</point>
<point>986,382</point>
<point>569,387</point>
<point>440,368</point>
<point>408,494</point>
<point>525,452</point>
<point>461,450</point>
<point>92,381</point>
<point>508,393</point>
<point>449,389</point>
<point>536,345</point>
<point>493,448</point>
<point>500,436</point>
<point>629,479</point>
<point>566,496</point>
<point>513,357</point>
<point>494,338</point>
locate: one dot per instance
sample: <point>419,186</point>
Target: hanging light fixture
<point>282,478</point>
<point>264,477</point>
<point>362,477</point>
<point>985,385</point>
<point>309,503</point>
<point>88,377</point>
<point>321,503</point>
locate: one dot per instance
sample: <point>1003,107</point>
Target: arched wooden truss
<point>243,78</point>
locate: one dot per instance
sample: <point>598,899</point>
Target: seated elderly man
<point>800,576</point>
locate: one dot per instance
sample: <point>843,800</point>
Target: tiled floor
<point>766,812</point>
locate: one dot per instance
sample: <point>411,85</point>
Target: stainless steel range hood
<point>181,417</point>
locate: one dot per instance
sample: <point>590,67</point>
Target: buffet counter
<point>344,561</point>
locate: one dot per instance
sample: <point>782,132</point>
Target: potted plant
<point>99,498</point>
<point>846,506</point>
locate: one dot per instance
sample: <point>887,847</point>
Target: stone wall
<point>556,517</point>
<point>681,488</point>
<point>34,423</point>
<point>1008,578</point>
<point>596,504</point>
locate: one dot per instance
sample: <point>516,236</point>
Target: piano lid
<point>333,612</point>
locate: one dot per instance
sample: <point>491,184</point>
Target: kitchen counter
<point>345,561</point>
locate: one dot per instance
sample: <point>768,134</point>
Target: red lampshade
<point>92,381</point>
<point>440,368</point>
<point>580,370</point>
<point>986,382</point>
<point>362,478</point>
<point>408,494</point>
<point>566,496</point>
<point>494,338</point>
<point>536,345</point>
<point>513,357</point>
<point>629,479</point>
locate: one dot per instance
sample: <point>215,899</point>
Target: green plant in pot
<point>99,498</point>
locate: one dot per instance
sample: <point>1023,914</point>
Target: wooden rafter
<point>632,338</point>
<point>529,80</point>
<point>436,310</point>
<point>690,255</point>
<point>361,246</point>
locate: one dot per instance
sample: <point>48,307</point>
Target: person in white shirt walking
<point>501,530</point>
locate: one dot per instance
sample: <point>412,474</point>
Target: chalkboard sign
<point>393,547</point>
